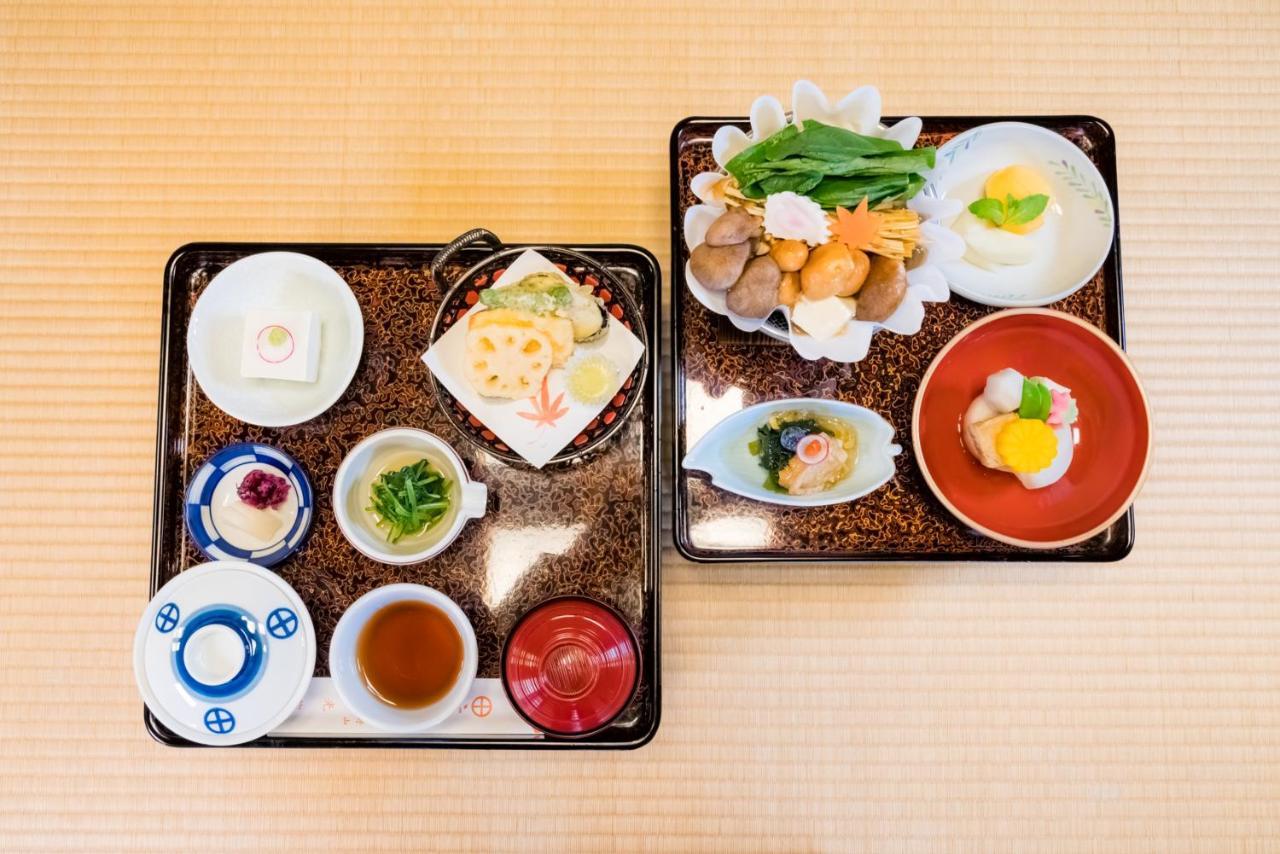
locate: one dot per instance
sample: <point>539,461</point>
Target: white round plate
<point>224,653</point>
<point>1079,225</point>
<point>274,280</point>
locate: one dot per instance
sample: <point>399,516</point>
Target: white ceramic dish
<point>350,684</point>
<point>350,495</point>
<point>1079,224</point>
<point>723,453</point>
<point>284,280</point>
<point>224,653</point>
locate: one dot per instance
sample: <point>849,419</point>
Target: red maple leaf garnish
<point>546,412</point>
<point>855,229</point>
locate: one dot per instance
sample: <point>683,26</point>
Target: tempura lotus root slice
<point>559,331</point>
<point>506,354</point>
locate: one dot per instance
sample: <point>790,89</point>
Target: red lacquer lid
<point>570,666</point>
<point>1113,432</point>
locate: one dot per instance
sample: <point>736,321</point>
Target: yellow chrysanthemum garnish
<point>1027,445</point>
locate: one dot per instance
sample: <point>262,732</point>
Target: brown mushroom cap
<point>718,267</point>
<point>755,294</point>
<point>733,226</point>
<point>884,290</point>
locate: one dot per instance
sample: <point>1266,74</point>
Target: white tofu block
<point>257,528</point>
<point>279,344</point>
<point>823,319</point>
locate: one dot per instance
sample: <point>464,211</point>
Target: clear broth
<point>391,459</point>
<point>409,654</point>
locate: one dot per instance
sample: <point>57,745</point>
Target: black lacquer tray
<point>603,506</point>
<point>718,369</point>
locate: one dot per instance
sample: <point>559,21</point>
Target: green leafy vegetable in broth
<point>409,500</point>
<point>831,165</point>
<point>774,456</point>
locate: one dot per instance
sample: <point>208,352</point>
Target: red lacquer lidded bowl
<point>570,666</point>
<point>1112,438</point>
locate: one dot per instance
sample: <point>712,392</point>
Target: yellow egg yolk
<point>1027,445</point>
<point>1019,182</point>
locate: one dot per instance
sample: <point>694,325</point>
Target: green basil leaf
<point>991,210</point>
<point>1026,209</point>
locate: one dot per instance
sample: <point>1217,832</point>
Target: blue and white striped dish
<point>225,463</point>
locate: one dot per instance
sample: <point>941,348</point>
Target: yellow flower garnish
<point>1027,445</point>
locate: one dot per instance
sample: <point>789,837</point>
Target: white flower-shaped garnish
<point>788,216</point>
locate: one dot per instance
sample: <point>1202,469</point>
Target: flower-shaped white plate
<point>858,111</point>
<point>277,280</point>
<point>724,454</point>
<point>1079,224</point>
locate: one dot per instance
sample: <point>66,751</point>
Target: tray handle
<point>453,247</point>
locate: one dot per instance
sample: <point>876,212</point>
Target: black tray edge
<point>164,736</point>
<point>1126,525</point>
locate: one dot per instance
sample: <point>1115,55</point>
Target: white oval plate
<point>723,453</point>
<point>277,280</point>
<point>1078,230</point>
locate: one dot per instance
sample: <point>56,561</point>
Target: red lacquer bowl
<point>570,666</point>
<point>1113,432</point>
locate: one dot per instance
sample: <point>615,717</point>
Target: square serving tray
<point>602,508</point>
<point>718,370</point>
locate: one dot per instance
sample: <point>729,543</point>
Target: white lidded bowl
<point>224,653</point>
<point>1079,226</point>
<point>723,453</point>
<point>286,280</point>
<point>350,684</point>
<point>469,497</point>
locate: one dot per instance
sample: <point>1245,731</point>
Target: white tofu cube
<point>279,344</point>
<point>822,319</point>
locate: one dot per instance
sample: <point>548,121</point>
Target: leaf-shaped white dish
<point>723,453</point>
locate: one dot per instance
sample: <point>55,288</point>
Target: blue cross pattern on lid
<point>219,720</point>
<point>282,623</point>
<point>167,618</point>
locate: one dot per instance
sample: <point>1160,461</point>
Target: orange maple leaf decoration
<point>546,412</point>
<point>855,229</point>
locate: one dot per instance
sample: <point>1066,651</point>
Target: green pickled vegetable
<point>831,165</point>
<point>409,500</point>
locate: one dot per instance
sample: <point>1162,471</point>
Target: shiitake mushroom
<point>755,294</point>
<point>732,227</point>
<point>884,289</point>
<point>718,267</point>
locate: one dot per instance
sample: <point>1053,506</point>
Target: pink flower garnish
<point>1062,409</point>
